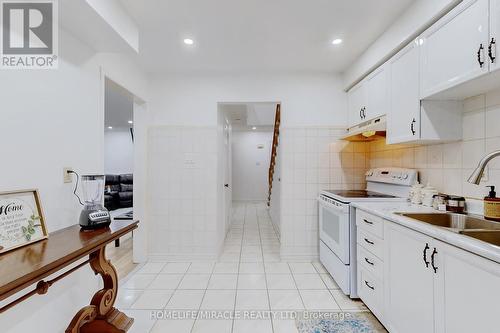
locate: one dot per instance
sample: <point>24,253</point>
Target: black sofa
<point>118,192</point>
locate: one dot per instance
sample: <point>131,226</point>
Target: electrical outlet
<point>66,175</point>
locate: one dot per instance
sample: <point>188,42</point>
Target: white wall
<point>251,165</point>
<point>413,19</point>
<point>53,119</point>
<point>305,99</point>
<point>118,151</point>
<point>192,101</point>
<point>117,17</point>
<point>182,193</point>
<point>313,159</point>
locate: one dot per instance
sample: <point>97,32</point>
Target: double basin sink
<point>468,225</point>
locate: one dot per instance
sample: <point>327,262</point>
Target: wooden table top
<point>26,265</point>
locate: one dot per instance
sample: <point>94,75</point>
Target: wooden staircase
<point>277,120</point>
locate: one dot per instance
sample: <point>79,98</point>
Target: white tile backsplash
<point>314,159</point>
<point>182,191</point>
<point>447,166</point>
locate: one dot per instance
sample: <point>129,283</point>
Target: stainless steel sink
<point>488,236</point>
<point>455,222</point>
<point>468,225</point>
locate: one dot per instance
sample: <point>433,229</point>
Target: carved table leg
<point>100,316</point>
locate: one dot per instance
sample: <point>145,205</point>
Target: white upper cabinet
<point>403,120</point>
<point>377,93</point>
<point>455,49</point>
<point>494,34</point>
<point>468,287</point>
<point>409,119</point>
<point>369,98</point>
<point>357,104</point>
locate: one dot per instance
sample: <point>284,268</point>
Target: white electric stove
<point>337,220</point>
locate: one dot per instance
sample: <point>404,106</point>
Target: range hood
<point>367,131</point>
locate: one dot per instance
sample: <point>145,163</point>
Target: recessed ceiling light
<point>337,41</point>
<point>130,122</point>
<point>110,127</point>
<point>254,128</point>
<point>188,41</point>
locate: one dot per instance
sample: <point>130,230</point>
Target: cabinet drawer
<point>371,223</point>
<point>370,242</point>
<point>370,290</point>
<point>370,262</point>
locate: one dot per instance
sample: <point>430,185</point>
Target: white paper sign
<point>21,220</point>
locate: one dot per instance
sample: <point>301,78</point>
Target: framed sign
<point>21,219</point>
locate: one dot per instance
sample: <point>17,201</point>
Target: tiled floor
<point>248,276</point>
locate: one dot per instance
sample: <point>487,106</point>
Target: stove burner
<point>359,194</point>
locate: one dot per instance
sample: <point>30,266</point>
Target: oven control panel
<point>397,176</point>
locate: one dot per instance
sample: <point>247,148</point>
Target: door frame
<point>140,126</point>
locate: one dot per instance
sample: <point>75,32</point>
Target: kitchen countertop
<point>387,211</point>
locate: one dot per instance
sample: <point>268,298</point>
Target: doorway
<point>246,148</point>
<point>119,168</point>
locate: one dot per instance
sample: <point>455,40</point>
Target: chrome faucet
<point>476,176</point>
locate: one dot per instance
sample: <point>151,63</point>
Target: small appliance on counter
<point>492,205</point>
<point>93,215</point>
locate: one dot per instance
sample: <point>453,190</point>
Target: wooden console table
<point>28,265</point>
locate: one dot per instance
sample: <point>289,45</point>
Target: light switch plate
<point>66,175</point>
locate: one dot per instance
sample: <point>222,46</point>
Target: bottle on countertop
<point>492,205</point>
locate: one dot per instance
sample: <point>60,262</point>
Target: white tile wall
<point>313,159</point>
<point>182,192</point>
<point>447,166</point>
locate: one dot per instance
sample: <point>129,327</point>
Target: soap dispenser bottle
<point>492,205</point>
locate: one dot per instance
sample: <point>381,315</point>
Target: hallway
<point>249,277</point>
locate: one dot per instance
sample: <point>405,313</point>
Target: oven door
<point>334,227</point>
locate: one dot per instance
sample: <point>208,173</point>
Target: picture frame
<point>22,221</point>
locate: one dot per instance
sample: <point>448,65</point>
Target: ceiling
<point>118,106</point>
<point>246,116</point>
<point>248,36</point>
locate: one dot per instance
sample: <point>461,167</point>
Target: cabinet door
<point>377,93</point>
<point>357,103</point>
<point>494,34</point>
<point>454,49</point>
<point>403,120</point>
<point>409,284</point>
<point>467,292</point>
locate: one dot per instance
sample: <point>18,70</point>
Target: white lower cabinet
<point>467,292</point>
<point>427,285</point>
<point>370,250</point>
<point>409,282</point>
